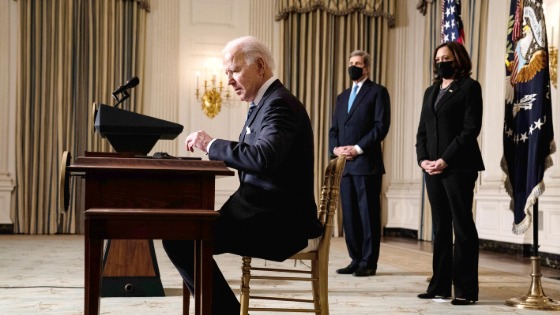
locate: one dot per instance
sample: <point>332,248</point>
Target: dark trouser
<point>451,198</point>
<point>181,253</point>
<point>361,211</point>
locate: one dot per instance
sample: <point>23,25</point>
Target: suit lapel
<point>453,89</point>
<point>366,86</point>
<point>275,85</point>
<point>433,95</point>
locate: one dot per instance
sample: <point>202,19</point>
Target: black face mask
<point>355,72</point>
<point>445,69</point>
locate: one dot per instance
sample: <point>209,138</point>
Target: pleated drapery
<point>72,54</point>
<point>316,39</point>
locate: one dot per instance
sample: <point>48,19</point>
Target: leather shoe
<point>365,272</point>
<point>429,296</point>
<point>461,302</point>
<point>348,270</point>
<point>426,296</point>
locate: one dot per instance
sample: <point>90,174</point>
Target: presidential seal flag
<point>451,23</point>
<point>528,135</point>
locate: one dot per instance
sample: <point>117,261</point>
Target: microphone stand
<point>125,95</point>
<point>535,298</point>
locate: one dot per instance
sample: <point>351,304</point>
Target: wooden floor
<point>45,275</point>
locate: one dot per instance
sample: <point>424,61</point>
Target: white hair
<point>252,49</point>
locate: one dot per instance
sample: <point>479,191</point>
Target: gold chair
<point>319,258</point>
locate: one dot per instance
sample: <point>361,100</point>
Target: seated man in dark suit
<point>273,213</point>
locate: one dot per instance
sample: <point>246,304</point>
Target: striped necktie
<point>352,96</point>
<point>251,109</point>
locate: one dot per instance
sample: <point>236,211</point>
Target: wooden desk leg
<point>198,277</point>
<point>94,252</point>
<point>186,299</point>
<point>207,265</point>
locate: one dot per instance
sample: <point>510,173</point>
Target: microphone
<point>132,82</point>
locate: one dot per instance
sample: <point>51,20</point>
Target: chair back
<point>328,206</point>
<point>318,275</point>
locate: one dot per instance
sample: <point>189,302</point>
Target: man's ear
<point>260,63</point>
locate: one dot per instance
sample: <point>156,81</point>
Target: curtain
<point>72,54</point>
<point>432,31</point>
<point>316,39</point>
<point>473,14</point>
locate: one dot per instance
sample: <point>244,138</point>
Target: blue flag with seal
<point>528,136</point>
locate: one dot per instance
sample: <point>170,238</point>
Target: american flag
<point>528,135</point>
<point>451,23</point>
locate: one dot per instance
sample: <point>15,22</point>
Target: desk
<point>143,183</point>
<point>174,224</point>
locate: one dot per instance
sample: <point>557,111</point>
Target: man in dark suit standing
<point>273,213</point>
<point>360,122</point>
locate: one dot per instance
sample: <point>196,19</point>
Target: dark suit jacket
<point>275,203</point>
<point>450,131</point>
<point>366,125</point>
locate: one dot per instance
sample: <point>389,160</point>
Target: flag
<point>451,24</point>
<point>528,137</point>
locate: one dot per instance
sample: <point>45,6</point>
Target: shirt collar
<point>359,84</point>
<point>263,89</point>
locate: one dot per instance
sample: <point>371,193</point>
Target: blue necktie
<point>251,109</point>
<point>352,96</point>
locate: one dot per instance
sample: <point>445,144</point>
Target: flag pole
<point>535,299</point>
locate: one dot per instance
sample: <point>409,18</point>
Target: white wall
<point>8,52</point>
<point>404,82</point>
<point>184,35</point>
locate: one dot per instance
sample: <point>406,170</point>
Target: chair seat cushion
<point>312,244</point>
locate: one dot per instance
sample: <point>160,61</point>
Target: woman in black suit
<point>449,155</point>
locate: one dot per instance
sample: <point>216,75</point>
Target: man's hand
<point>347,150</point>
<point>434,167</point>
<point>198,139</point>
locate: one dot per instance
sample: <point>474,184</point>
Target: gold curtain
<point>316,39</point>
<point>371,8</point>
<point>72,54</point>
<point>432,31</point>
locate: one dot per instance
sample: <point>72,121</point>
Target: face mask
<point>355,72</point>
<point>445,69</point>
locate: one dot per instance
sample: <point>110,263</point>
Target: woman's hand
<point>433,167</point>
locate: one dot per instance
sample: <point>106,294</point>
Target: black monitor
<point>130,132</point>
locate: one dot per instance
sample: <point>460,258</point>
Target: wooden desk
<point>172,224</point>
<point>143,183</point>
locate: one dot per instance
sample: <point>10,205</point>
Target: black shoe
<point>461,302</point>
<point>348,270</point>
<point>426,296</point>
<point>365,272</point>
<point>429,296</point>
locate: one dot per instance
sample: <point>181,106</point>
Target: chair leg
<point>323,288</point>
<point>316,285</point>
<point>245,278</point>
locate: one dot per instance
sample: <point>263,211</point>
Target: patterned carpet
<point>44,275</point>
